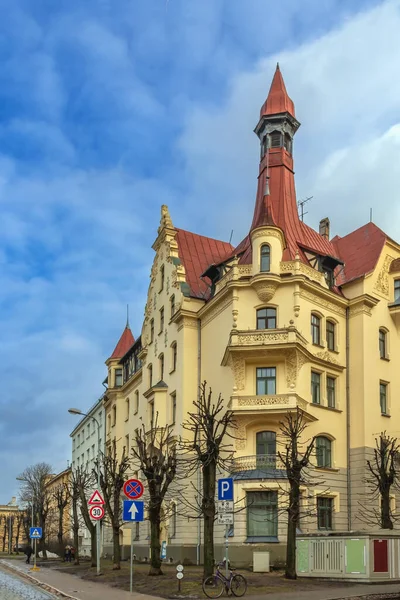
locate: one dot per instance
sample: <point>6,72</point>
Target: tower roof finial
<point>278,100</point>
<point>127,315</point>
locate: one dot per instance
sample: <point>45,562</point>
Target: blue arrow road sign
<point>225,489</point>
<point>35,533</point>
<point>133,510</point>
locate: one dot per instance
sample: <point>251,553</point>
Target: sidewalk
<point>77,589</point>
<point>73,587</point>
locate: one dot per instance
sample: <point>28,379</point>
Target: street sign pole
<point>34,555</point>
<point>131,583</point>
<point>226,552</point>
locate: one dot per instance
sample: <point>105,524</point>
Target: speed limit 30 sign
<point>96,512</point>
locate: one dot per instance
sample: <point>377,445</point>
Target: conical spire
<point>125,342</point>
<point>278,100</point>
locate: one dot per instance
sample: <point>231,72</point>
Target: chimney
<point>324,228</point>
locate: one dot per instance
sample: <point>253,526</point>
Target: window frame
<point>330,335</point>
<point>172,304</point>
<point>174,350</point>
<point>323,452</point>
<point>383,385</point>
<point>162,278</point>
<point>118,376</point>
<point>315,385</point>
<point>325,513</point>
<point>173,408</point>
<point>114,415</point>
<point>316,328</point>
<point>136,407</point>
<point>265,256</point>
<point>151,330</point>
<point>329,390</point>
<point>161,363</point>
<point>162,319</point>
<point>273,138</point>
<point>150,375</point>
<point>383,338</point>
<point>267,318</point>
<point>266,379</point>
<point>127,408</point>
<point>396,289</point>
<point>151,413</point>
<point>267,500</point>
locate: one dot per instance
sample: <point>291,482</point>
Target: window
<point>93,451</point>
<point>88,432</point>
<point>266,381</point>
<point>151,414</point>
<point>126,409</point>
<point>396,290</point>
<point>323,448</point>
<point>114,415</point>
<point>118,377</point>
<point>172,304</point>
<point>150,367</point>
<point>276,139</point>
<point>109,423</point>
<point>262,514</point>
<point>288,143</point>
<point>79,439</point>
<point>136,402</point>
<point>266,318</point>
<point>265,449</point>
<point>382,344</point>
<point>87,455</point>
<point>174,355</point>
<point>324,512</point>
<point>316,330</point>
<point>151,330</point>
<point>162,277</point>
<point>161,362</point>
<point>383,398</point>
<point>161,319</point>
<point>331,391</point>
<point>315,387</point>
<point>265,258</point>
<point>173,520</point>
<point>330,335</point>
<point>173,408</point>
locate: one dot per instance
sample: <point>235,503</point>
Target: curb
<point>45,586</point>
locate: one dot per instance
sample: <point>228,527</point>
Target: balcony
<point>260,466</point>
<point>254,338</point>
<point>273,404</point>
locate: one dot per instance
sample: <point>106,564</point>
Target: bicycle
<point>214,585</point>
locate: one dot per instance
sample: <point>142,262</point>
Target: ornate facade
<point>290,318</point>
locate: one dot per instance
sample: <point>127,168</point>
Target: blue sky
<point>107,111</point>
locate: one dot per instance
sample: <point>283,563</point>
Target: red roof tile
<point>360,251</point>
<point>197,252</point>
<point>125,342</point>
<point>278,100</point>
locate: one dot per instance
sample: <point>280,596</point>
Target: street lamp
<point>76,411</point>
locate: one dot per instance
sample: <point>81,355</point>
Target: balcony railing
<point>266,337</point>
<point>264,463</point>
<point>276,403</point>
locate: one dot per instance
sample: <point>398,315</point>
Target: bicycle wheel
<point>238,585</point>
<point>213,587</point>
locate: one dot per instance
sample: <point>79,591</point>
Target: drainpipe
<point>198,469</point>
<point>348,420</point>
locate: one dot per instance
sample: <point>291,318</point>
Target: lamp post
<point>76,411</point>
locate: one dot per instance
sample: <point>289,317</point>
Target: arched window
<point>266,318</point>
<point>265,258</point>
<point>315,330</point>
<point>275,139</point>
<point>382,343</point>
<point>331,335</point>
<point>150,367</point>
<point>114,415</point>
<point>162,277</point>
<point>174,352</point>
<point>172,304</point>
<point>323,448</point>
<point>287,142</point>
<point>265,449</point>
<point>151,331</point>
<point>136,402</point>
<point>161,362</point>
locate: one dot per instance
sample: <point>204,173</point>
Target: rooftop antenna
<point>301,204</point>
<point>370,215</point>
<point>230,239</point>
<point>127,315</point>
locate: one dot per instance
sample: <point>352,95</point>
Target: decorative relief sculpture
<point>382,282</point>
<point>240,433</point>
<point>265,289</point>
<point>262,400</point>
<point>294,361</point>
<point>239,372</point>
<point>325,355</point>
<point>235,314</point>
<point>323,302</point>
<point>245,270</point>
<point>249,339</point>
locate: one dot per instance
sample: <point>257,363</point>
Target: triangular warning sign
<point>35,533</point>
<point>96,498</point>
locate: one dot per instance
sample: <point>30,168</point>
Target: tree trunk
<point>386,521</point>
<point>155,526</point>
<point>75,528</point>
<point>116,548</point>
<point>89,525</point>
<point>42,542</point>
<point>293,519</point>
<point>60,526</point>
<point>208,502</point>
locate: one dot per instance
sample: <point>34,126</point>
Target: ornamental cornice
<point>266,232</point>
<point>326,356</point>
<point>362,305</point>
<point>245,270</point>
<point>323,302</point>
<point>265,286</point>
<point>212,310</point>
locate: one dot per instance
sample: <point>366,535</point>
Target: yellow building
<point>58,523</point>
<point>13,527</point>
<point>289,318</point>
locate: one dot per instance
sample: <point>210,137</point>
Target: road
<point>13,587</point>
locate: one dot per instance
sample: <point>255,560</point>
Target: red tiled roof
<point>125,342</point>
<point>278,100</point>
<point>197,252</point>
<point>360,251</point>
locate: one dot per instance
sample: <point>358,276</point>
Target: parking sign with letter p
<point>225,489</point>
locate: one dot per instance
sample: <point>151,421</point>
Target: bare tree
<point>60,496</point>
<point>295,456</point>
<point>155,453</point>
<point>112,478</point>
<point>19,523</point>
<point>81,485</point>
<point>209,425</point>
<point>3,518</point>
<point>382,478</point>
<point>34,488</point>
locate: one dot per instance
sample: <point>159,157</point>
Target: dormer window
<point>118,377</point>
<point>275,139</point>
<point>265,258</point>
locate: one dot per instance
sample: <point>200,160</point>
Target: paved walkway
<point>74,587</point>
<point>78,589</point>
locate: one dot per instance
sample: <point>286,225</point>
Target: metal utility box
<point>368,557</point>
<point>261,562</point>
